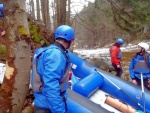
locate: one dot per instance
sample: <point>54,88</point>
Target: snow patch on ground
<point>2,72</point>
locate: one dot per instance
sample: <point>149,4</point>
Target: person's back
<point>116,56</point>
<point>114,53</point>
<point>53,66</point>
<point>54,62</point>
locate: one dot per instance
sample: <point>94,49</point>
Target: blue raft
<point>93,78</point>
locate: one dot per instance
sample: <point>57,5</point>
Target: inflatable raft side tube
<point>88,85</point>
<point>79,64</point>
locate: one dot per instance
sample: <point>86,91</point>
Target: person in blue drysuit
<point>140,65</point>
<point>50,73</point>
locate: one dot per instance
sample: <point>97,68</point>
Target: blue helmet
<point>119,40</point>
<point>65,32</point>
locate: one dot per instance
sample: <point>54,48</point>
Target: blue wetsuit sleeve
<point>148,59</point>
<point>131,67</point>
<point>54,65</point>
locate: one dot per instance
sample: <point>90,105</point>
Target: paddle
<point>143,95</point>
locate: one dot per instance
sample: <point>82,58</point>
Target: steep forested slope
<point>105,20</point>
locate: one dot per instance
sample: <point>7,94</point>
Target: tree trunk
<point>30,7</point>
<point>61,12</point>
<point>33,10</point>
<point>68,13</point>
<point>54,14</point>
<point>45,13</point>
<point>48,24</point>
<point>42,10</point>
<point>38,10</point>
<point>62,16</point>
<point>16,82</point>
<point>58,11</point>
